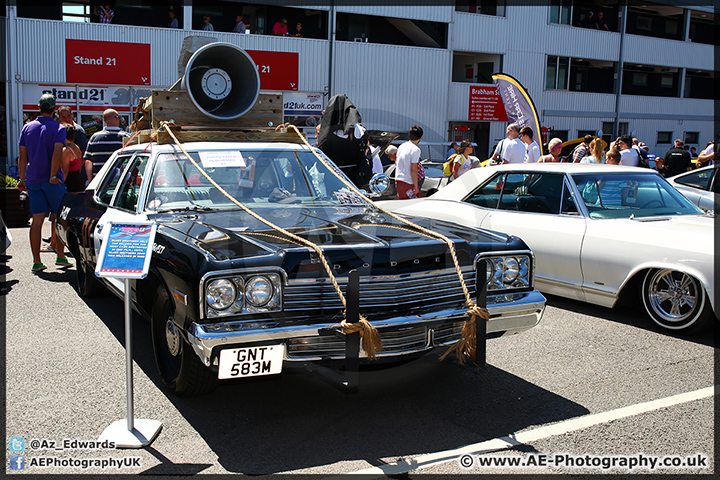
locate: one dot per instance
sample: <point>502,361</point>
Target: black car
<point>229,296</point>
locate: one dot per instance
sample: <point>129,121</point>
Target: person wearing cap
<point>103,143</point>
<point>41,146</point>
<point>298,30</point>
<point>207,26</point>
<point>677,160</point>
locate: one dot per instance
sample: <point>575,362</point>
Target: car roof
<point>470,179</point>
<point>209,146</point>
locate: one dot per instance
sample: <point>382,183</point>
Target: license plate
<point>251,361</point>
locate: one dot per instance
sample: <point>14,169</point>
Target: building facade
<point>647,71</point>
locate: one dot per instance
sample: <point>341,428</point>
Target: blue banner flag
<point>519,106</point>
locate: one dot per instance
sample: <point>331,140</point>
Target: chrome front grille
<point>441,287</point>
<point>406,340</point>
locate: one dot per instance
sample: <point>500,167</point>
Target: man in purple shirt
<point>41,144</point>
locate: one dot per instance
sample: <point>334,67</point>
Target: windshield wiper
<point>190,208</point>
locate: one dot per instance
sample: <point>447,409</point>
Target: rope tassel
<point>369,335</point>
<point>467,345</point>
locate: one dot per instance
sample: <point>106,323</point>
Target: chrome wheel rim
<point>172,337</point>
<point>673,295</point>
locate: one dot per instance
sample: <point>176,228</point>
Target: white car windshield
<point>621,195</point>
<point>253,177</point>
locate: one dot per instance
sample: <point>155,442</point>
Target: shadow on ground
<point>631,314</point>
<point>296,421</point>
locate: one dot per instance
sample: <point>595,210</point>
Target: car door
<point>123,190</point>
<point>539,208</point>
<point>700,187</point>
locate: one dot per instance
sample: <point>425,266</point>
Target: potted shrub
<point>13,214</point>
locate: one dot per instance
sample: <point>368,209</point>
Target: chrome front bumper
<point>509,314</point>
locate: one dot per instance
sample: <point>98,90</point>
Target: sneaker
<point>63,262</point>
<point>38,267</point>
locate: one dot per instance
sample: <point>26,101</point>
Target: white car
<point>700,186</point>
<point>597,231</point>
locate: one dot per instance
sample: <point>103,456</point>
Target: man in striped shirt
<point>103,143</point>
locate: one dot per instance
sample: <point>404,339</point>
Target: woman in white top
<point>462,163</point>
<point>597,155</point>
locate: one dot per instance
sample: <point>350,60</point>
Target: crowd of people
<point>56,158</point>
<point>519,146</point>
<point>105,14</point>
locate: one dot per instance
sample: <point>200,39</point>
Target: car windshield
<point>253,177</point>
<point>621,195</point>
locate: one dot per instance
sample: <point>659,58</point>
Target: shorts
<point>45,197</point>
<point>405,191</point>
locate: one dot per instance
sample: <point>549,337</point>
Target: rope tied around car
<point>467,345</point>
<point>370,338</point>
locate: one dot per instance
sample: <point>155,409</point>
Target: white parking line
<point>502,443</point>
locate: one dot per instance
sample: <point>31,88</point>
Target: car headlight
<point>220,294</point>
<point>505,272</point>
<point>258,291</point>
<point>234,293</point>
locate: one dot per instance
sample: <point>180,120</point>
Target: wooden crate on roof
<point>177,107</point>
<point>189,124</point>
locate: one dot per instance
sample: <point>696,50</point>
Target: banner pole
<point>123,247</point>
<point>128,357</point>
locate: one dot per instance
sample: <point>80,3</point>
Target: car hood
<point>343,232</point>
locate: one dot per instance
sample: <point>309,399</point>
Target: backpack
<point>642,157</point>
<point>448,166</point>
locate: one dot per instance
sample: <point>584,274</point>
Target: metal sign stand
<point>129,432</point>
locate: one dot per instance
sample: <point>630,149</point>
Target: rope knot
<point>369,335</point>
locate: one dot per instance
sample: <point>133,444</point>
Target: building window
<point>475,67</point>
<point>702,28</point>
<point>579,75</point>
<point>561,11</point>
<point>659,21</point>
<point>692,137</point>
<point>584,13</point>
<point>639,79</point>
<point>664,138</point>
<point>699,84</point>
<point>651,81</point>
<point>582,133</point>
<point>391,31</point>
<point>485,7</point>
<point>75,12</point>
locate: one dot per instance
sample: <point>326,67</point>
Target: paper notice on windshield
<point>226,158</point>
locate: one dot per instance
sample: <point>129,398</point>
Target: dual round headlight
<point>505,269</point>
<point>223,292</point>
<point>258,291</point>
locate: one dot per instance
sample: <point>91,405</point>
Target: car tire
<point>88,284</point>
<point>675,300</point>
<point>180,369</point>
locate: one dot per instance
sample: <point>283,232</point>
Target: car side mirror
<point>379,183</point>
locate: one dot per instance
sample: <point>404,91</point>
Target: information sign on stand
<point>125,253</point>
